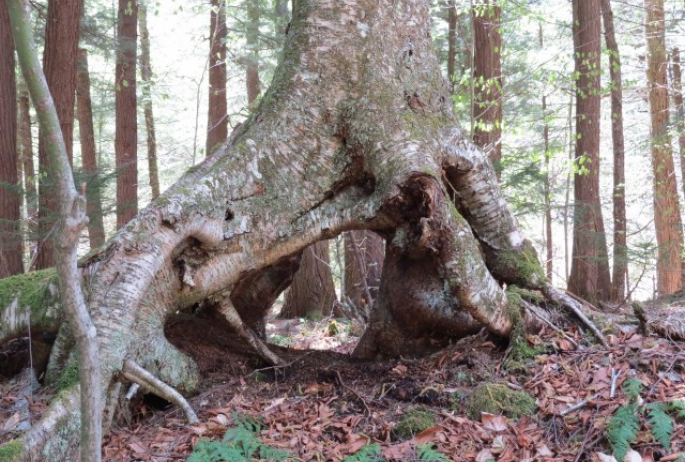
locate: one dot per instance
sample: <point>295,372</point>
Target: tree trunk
<point>217,123</point>
<point>282,15</point>
<point>59,64</point>
<point>325,152</point>
<point>252,37</point>
<point>146,77</point>
<point>667,221</point>
<point>126,136</point>
<point>620,268</point>
<point>451,42</point>
<point>549,247</point>
<point>363,268</point>
<point>677,87</point>
<point>312,293</point>
<point>589,277</point>
<point>11,253</point>
<point>487,76</point>
<point>96,227</point>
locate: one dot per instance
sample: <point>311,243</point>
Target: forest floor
<point>325,406</point>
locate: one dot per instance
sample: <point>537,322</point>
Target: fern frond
<point>368,453</point>
<point>427,453</point>
<point>660,423</point>
<point>633,388</point>
<point>622,429</point>
<point>273,454</point>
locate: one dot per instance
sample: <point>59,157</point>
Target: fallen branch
<point>137,374</point>
<point>579,405</point>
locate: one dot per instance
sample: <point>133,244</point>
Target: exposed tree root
<point>569,304</point>
<point>137,374</point>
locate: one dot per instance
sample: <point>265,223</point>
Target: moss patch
<point>522,266</point>
<point>413,422</point>
<point>31,288</point>
<point>69,376</point>
<point>520,350</point>
<point>11,452</point>
<point>499,399</point>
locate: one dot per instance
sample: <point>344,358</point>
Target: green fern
<point>633,388</point>
<point>240,444</point>
<point>622,429</point>
<point>660,423</point>
<point>368,453</point>
<point>427,453</point>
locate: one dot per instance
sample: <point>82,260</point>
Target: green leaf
<point>661,424</point>
<point>428,453</point>
<point>633,388</point>
<point>622,429</point>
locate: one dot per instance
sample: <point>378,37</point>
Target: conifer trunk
<point>589,277</point>
<point>126,136</point>
<point>217,117</point>
<point>667,221</point>
<point>96,227</point>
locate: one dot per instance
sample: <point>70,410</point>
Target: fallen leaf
<point>485,455</point>
<point>601,457</point>
<point>632,456</point>
<point>493,422</point>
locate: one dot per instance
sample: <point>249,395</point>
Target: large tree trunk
<point>10,199</point>
<point>146,77</point>
<point>126,136</point>
<point>487,77</point>
<point>96,227</point>
<point>620,268</point>
<point>312,293</point>
<point>589,277</point>
<point>217,123</point>
<point>59,64</point>
<point>451,42</point>
<point>667,221</point>
<point>324,152</point>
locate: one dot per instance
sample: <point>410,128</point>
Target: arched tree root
<point>137,374</point>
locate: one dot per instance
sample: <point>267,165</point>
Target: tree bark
<point>282,15</point>
<point>59,64</point>
<point>679,110</point>
<point>620,267</point>
<point>217,123</point>
<point>451,42</point>
<point>325,152</point>
<point>312,293</point>
<point>487,76</point>
<point>363,268</point>
<point>146,77</point>
<point>96,227</point>
<point>126,135</point>
<point>667,221</point>
<point>252,37</point>
<point>11,253</point>
<point>589,277</point>
<point>549,247</point>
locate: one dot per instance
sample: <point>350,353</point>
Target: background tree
<point>252,80</point>
<point>667,221</point>
<point>126,141</point>
<point>217,122</point>
<point>312,292</point>
<point>10,197</point>
<point>59,64</point>
<point>487,79</point>
<point>28,168</point>
<point>589,277</point>
<point>96,227</point>
<point>620,266</point>
<point>146,77</point>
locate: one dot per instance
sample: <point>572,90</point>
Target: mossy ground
<point>413,422</point>
<point>11,452</point>
<point>499,399</point>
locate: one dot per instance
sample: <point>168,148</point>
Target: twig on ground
<point>552,326</point>
<point>579,405</point>
<point>340,381</point>
<point>614,378</point>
